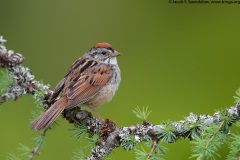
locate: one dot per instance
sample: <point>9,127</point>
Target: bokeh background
<point>177,59</point>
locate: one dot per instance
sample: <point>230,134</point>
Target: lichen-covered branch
<point>24,82</point>
<point>111,137</point>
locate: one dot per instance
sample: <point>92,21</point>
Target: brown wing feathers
<point>88,85</point>
<point>83,81</point>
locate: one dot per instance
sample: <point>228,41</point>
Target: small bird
<point>91,80</point>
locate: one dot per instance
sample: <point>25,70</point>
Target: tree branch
<point>113,138</point>
<point>23,78</point>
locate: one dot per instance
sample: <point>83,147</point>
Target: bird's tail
<point>49,116</point>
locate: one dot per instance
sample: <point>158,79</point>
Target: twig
<point>35,150</point>
<point>152,150</point>
<point>219,127</point>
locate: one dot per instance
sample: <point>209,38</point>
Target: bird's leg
<point>95,112</point>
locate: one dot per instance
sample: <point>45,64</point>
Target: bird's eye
<point>104,52</point>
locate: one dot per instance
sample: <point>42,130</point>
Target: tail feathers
<point>48,117</point>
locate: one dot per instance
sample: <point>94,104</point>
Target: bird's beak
<point>115,54</point>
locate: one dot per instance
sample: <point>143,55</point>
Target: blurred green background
<point>177,59</point>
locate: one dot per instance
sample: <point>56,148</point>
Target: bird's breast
<point>107,92</point>
<point>104,95</point>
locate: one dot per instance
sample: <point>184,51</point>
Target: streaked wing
<point>57,90</point>
<point>60,86</point>
<point>84,81</point>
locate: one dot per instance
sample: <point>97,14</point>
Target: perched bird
<point>91,80</point>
